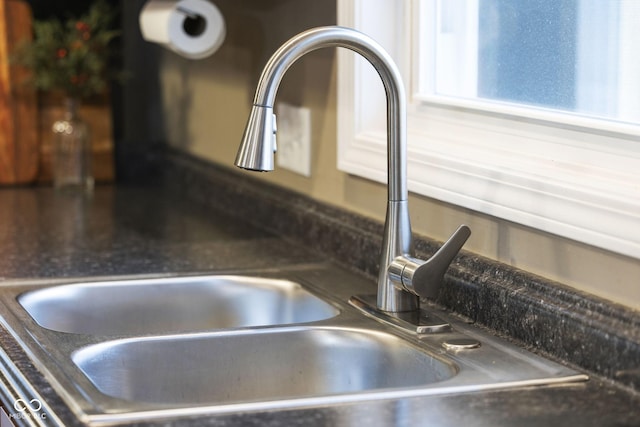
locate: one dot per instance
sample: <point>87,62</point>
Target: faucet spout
<point>259,144</point>
<point>358,42</point>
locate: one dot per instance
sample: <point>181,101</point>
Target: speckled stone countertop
<point>202,218</point>
<point>121,231</point>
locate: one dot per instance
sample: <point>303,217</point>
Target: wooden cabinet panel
<point>19,148</point>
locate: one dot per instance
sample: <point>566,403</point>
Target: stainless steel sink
<point>265,365</point>
<point>171,305</point>
<point>119,351</point>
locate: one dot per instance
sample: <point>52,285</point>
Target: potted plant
<point>72,57</point>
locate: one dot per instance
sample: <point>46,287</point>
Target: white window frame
<point>571,176</point>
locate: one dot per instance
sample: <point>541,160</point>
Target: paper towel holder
<point>194,29</point>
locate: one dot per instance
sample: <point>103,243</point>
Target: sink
<point>172,305</point>
<point>140,349</point>
<point>266,365</point>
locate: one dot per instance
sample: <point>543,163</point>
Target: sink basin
<point>144,350</point>
<point>172,305</point>
<point>268,365</point>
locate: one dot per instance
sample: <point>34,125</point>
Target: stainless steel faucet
<point>402,278</point>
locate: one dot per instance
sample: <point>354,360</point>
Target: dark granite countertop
<point>155,230</point>
<point>118,231</point>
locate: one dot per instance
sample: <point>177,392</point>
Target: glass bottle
<point>72,163</point>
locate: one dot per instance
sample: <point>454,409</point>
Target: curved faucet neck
<point>321,37</point>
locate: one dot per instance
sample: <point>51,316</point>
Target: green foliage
<point>72,56</point>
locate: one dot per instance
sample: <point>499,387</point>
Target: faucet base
<point>417,321</point>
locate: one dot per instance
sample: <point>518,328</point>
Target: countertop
<point>119,231</point>
<point>153,230</point>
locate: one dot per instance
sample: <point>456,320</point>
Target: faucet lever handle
<point>424,278</point>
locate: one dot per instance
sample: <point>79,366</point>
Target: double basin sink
<point>127,350</point>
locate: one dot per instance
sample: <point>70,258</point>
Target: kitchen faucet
<point>402,279</point>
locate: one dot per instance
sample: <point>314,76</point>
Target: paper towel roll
<point>192,28</point>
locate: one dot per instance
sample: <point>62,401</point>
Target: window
<point>570,55</point>
<point>544,134</point>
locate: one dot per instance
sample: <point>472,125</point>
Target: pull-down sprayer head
<point>258,141</point>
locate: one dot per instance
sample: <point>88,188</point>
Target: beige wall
<point>206,104</point>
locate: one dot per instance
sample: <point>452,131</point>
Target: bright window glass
<point>577,56</point>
